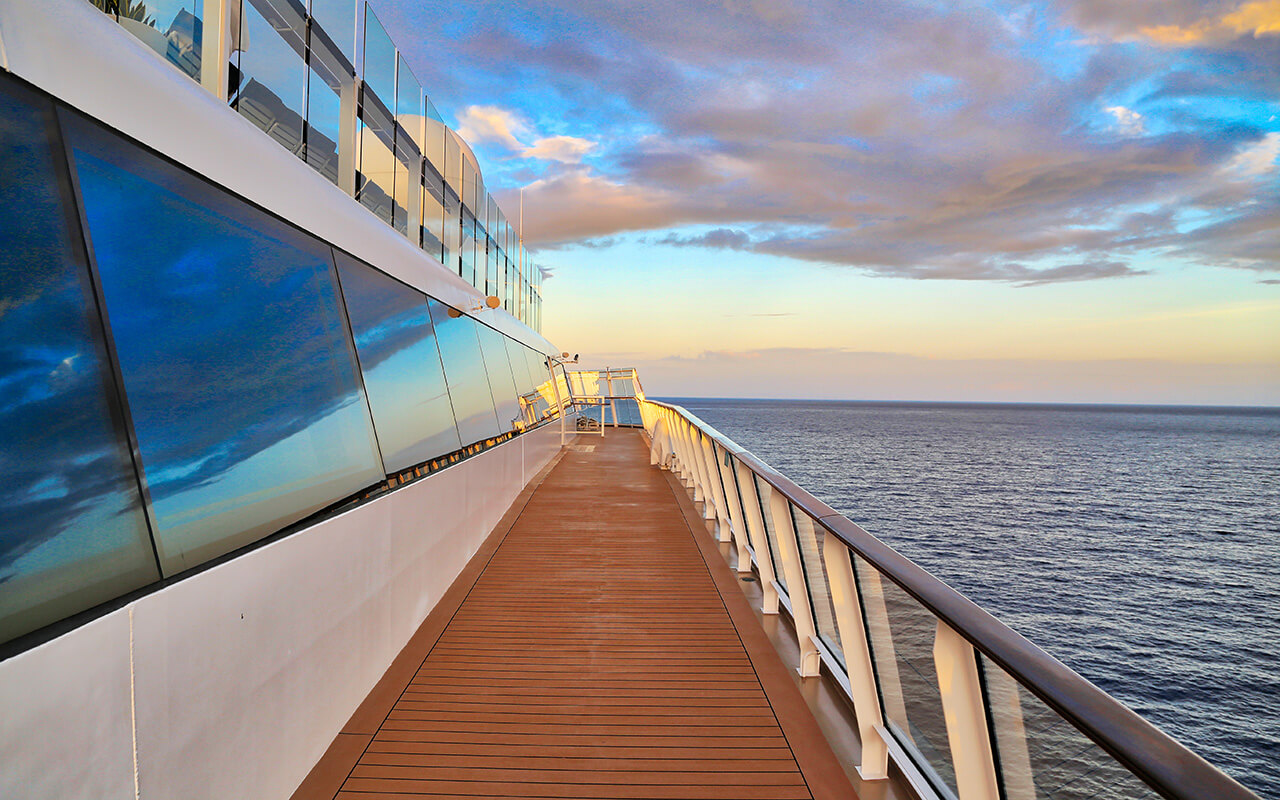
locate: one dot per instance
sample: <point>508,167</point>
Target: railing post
<point>685,452</point>
<point>723,532</point>
<point>857,658</point>
<point>759,536</point>
<point>797,587</point>
<point>704,473</point>
<point>349,138</point>
<point>966,715</point>
<point>733,507</point>
<point>215,47</point>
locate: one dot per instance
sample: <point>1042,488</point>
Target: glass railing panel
<point>409,99</point>
<point>764,493</point>
<point>338,20</point>
<point>324,120</point>
<point>379,58</point>
<point>433,214</point>
<point>1041,755</point>
<point>268,85</point>
<point>172,28</point>
<point>376,178</point>
<point>901,633</point>
<point>809,535</point>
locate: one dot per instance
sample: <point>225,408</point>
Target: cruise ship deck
<point>597,645</point>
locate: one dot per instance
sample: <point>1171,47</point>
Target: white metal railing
<point>961,704</point>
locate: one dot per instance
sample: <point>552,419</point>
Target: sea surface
<point>1139,545</point>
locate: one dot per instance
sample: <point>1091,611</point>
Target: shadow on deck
<point>594,647</point>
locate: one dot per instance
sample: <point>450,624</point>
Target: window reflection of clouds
<point>240,379</point>
<point>72,531</point>
<point>464,369</point>
<point>402,372</point>
<point>498,368</point>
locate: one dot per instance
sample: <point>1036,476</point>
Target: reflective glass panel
<point>172,28</point>
<point>542,384</point>
<point>409,103</point>
<point>809,536</point>
<point>1044,757</point>
<point>376,180</point>
<point>901,633</point>
<point>324,106</point>
<point>433,215</point>
<point>402,372</point>
<point>338,20</point>
<point>464,370</point>
<point>452,231</point>
<point>466,248</point>
<point>239,373</point>
<point>269,86</point>
<point>500,378</point>
<point>72,529</point>
<point>519,366</point>
<point>379,58</point>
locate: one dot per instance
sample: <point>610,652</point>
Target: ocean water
<point>1138,545</point>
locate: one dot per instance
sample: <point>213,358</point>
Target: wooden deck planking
<point>590,650</point>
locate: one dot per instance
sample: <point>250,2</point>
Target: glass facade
<point>183,374</point>
<point>240,378</point>
<point>498,368</point>
<point>464,369</point>
<point>72,529</point>
<point>292,70</point>
<point>403,376</point>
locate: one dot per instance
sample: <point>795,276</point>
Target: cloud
<point>724,238</point>
<point>1128,121</point>
<point>1256,159</point>
<point>1256,19</point>
<point>565,149</point>
<point>935,142</point>
<point>481,124</point>
<point>477,124</point>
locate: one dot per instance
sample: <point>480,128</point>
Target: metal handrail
<point>1160,761</point>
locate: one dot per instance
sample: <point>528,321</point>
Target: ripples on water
<point>1139,545</point>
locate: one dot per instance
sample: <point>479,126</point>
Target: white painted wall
<point>244,673</point>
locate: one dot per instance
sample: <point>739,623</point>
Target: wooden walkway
<point>596,647</point>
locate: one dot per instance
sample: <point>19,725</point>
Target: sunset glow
<point>1070,200</point>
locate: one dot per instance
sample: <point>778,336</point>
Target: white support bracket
<point>966,715</point>
<point>789,554</point>
<point>857,658</point>
<point>759,537</point>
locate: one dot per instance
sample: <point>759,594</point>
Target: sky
<point>1063,200</point>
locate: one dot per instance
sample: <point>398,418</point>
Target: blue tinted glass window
<point>238,370</point>
<point>402,372</point>
<point>500,381</point>
<point>464,369</point>
<point>72,529</point>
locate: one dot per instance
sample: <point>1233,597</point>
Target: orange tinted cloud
<point>1257,18</point>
